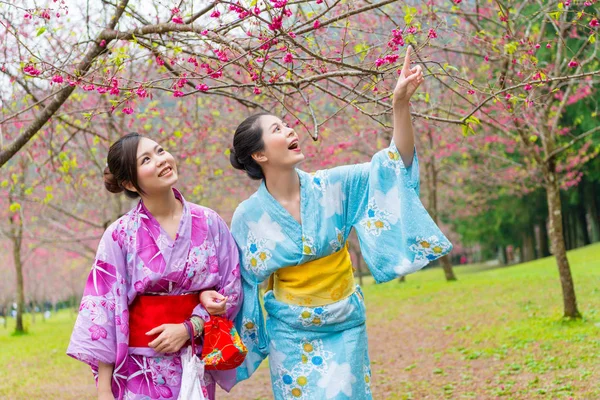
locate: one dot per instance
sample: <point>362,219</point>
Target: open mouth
<point>165,171</point>
<point>294,145</point>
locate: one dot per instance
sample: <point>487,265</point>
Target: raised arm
<point>408,82</point>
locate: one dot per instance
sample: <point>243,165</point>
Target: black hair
<point>122,165</point>
<point>248,140</point>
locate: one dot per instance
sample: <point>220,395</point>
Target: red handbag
<point>223,348</point>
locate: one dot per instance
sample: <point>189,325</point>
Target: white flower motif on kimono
<point>338,378</point>
<point>333,200</point>
<point>256,254</point>
<point>267,230</point>
<point>406,266</point>
<point>375,220</point>
<point>390,202</point>
<point>393,160</point>
<point>316,316</point>
<point>319,180</point>
<point>296,383</point>
<point>249,332</point>
<point>276,357</point>
<point>313,356</point>
<point>338,243</point>
<point>367,373</point>
<point>308,247</point>
<point>429,249</point>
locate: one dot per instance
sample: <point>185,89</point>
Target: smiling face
<point>282,148</point>
<point>156,167</point>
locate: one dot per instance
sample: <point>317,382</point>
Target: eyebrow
<point>146,153</point>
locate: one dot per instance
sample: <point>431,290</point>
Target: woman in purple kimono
<point>150,266</point>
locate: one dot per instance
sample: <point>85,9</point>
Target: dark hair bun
<point>247,140</point>
<point>110,182</point>
<point>235,162</point>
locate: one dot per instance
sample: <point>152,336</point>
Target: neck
<point>162,205</point>
<point>283,184</point>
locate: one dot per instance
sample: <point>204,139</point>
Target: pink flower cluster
<point>389,59</point>
<point>397,39</point>
<point>31,70</point>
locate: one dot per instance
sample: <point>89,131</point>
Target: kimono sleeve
<point>229,285</point>
<point>396,234</point>
<point>250,320</point>
<point>229,269</point>
<point>100,327</point>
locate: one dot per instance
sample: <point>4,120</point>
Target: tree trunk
<point>528,247</point>
<point>558,243</point>
<point>447,266</point>
<point>543,238</point>
<point>502,255</point>
<point>581,215</point>
<point>16,239</point>
<point>566,226</point>
<point>433,209</point>
<point>359,265</point>
<point>592,211</point>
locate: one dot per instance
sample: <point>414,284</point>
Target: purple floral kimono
<point>136,256</point>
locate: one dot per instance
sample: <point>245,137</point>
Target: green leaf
<point>511,47</point>
<point>14,207</point>
<point>40,31</point>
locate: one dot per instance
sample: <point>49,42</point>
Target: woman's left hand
<point>171,338</point>
<point>408,81</point>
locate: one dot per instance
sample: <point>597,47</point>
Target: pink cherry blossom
<point>178,93</point>
<point>141,92</point>
<point>594,23</point>
<point>288,58</point>
<point>202,87</point>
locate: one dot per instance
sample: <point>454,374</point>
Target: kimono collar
<point>151,222</point>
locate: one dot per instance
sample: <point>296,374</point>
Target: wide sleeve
<point>102,320</point>
<point>250,320</point>
<point>229,269</point>
<point>396,234</point>
<point>229,285</point>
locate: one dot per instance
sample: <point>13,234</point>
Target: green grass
<point>507,318</point>
<point>35,365</point>
<point>495,333</point>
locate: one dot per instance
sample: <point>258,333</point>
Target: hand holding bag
<point>223,348</point>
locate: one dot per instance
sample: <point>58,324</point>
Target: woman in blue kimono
<point>293,232</point>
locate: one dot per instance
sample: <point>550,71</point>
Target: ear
<point>260,157</point>
<point>127,185</point>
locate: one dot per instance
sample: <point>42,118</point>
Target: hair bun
<point>235,161</point>
<point>110,182</point>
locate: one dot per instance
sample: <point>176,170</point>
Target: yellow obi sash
<point>315,283</point>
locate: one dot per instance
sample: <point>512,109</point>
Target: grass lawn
<point>495,333</point>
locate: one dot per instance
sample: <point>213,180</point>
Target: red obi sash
<point>149,311</point>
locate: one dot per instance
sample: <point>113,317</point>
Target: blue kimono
<point>320,352</point>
